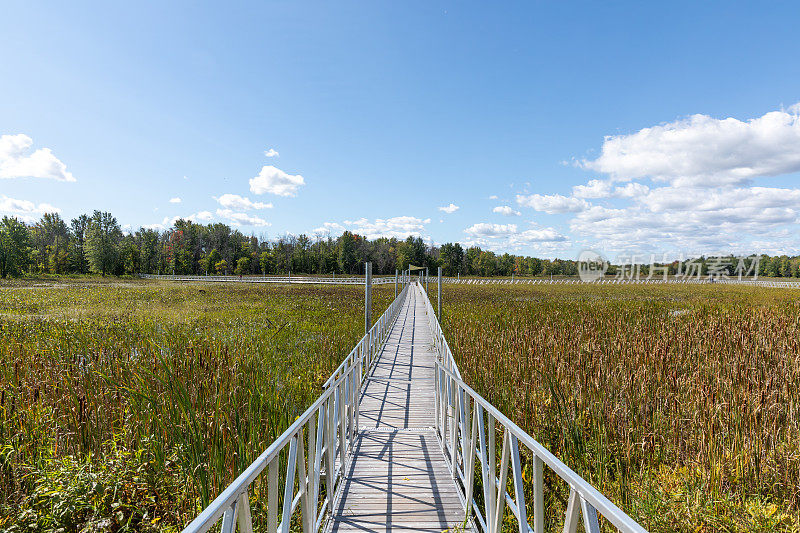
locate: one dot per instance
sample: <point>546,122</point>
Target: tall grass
<point>129,406</point>
<point>679,403</point>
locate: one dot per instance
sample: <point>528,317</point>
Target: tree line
<point>96,244</point>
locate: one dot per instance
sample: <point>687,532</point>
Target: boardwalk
<point>398,479</point>
<point>374,439</point>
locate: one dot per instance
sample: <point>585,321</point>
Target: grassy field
<point>129,405</point>
<point>679,403</point>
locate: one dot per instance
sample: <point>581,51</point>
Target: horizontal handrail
<point>270,279</point>
<point>318,446</point>
<point>616,281</point>
<point>465,428</point>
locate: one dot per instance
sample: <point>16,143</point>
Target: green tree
<point>265,260</point>
<point>452,257</point>
<point>79,226</point>
<point>209,262</point>
<point>487,264</point>
<point>347,253</point>
<point>103,238</point>
<point>49,242</point>
<point>131,257</point>
<point>471,260</point>
<point>14,250</point>
<point>242,266</point>
<point>221,267</point>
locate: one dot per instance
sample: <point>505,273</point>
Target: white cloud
<point>698,196</point>
<point>537,235</point>
<point>553,203</point>
<point>204,216</point>
<point>596,189</point>
<point>509,237</point>
<point>241,203</point>
<point>271,152</point>
<point>397,227</point>
<point>506,210</point>
<point>14,163</point>
<point>24,210</point>
<point>330,228</point>
<point>275,181</point>
<point>701,151</point>
<point>242,219</point>
<point>593,189</point>
<point>493,197</point>
<point>699,220</point>
<point>175,200</point>
<point>631,190</point>
<point>449,209</point>
<point>485,229</point>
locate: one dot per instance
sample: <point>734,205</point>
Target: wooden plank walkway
<point>398,479</point>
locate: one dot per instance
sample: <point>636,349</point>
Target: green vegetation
<point>680,403</point>
<point>127,406</point>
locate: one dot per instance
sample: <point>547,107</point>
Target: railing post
<point>367,297</point>
<point>395,283</point>
<point>538,495</point>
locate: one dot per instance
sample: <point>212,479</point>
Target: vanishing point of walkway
<point>398,479</point>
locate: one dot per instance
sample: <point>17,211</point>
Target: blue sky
<point>382,113</point>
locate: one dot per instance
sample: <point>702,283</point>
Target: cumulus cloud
<point>241,219</point>
<point>701,151</point>
<point>275,181</point>
<point>397,227</point>
<point>17,162</point>
<point>452,208</point>
<point>553,203</point>
<point>241,203</point>
<point>509,237</point>
<point>24,210</point>
<point>702,220</point>
<point>486,229</point>
<point>688,186</point>
<point>506,210</point>
<point>175,200</point>
<point>271,152</point>
<point>330,228</point>
<point>596,189</point>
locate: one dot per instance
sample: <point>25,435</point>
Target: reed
<point>130,405</point>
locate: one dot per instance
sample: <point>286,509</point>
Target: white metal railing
<point>615,281</point>
<point>271,279</point>
<point>316,447</point>
<point>477,281</point>
<point>466,427</point>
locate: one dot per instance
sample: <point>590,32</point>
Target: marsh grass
<point>128,406</point>
<point>678,403</point>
